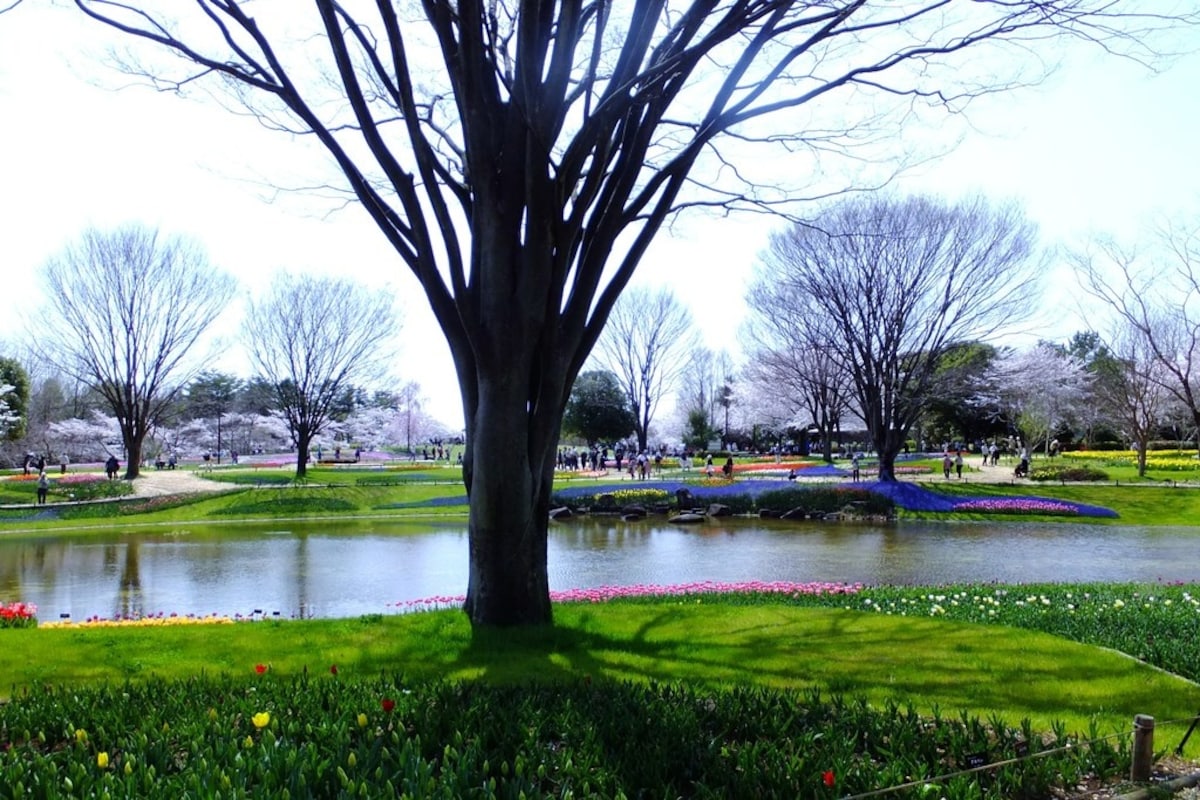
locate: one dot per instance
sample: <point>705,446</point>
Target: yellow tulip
<point>102,760</point>
<point>261,720</point>
<point>362,720</point>
<point>80,735</point>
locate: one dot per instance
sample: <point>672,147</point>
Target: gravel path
<point>155,482</point>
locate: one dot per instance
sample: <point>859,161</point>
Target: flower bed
<point>18,615</point>
<point>602,594</point>
<point>912,497</point>
<point>152,621</point>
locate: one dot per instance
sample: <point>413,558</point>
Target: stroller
<point>1022,470</point>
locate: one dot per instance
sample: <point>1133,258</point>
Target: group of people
<point>34,461</point>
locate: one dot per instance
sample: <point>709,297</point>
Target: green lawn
<point>987,671</point>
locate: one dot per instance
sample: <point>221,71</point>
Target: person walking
<point>43,487</point>
<point>958,464</point>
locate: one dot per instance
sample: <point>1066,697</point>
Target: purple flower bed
<point>912,497</point>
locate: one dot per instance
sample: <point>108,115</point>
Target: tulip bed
<point>326,736</point>
<point>18,615</point>
<point>332,734</point>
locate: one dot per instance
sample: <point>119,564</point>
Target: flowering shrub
<point>18,615</point>
<point>1067,472</point>
<point>636,496</point>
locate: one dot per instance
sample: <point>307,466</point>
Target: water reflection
<point>349,568</point>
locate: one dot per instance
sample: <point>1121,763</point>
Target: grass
<point>935,664</point>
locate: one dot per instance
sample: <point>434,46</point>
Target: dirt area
<point>155,482</point>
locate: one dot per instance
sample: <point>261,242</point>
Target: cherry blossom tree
<point>1040,389</point>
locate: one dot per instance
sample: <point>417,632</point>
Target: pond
<point>348,568</point>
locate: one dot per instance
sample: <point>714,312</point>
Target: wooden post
<point>1143,748</point>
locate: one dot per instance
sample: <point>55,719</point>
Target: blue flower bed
<point>435,502</point>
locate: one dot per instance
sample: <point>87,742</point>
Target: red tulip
<point>260,668</point>
<point>827,776</point>
<point>388,704</point>
<point>333,669</point>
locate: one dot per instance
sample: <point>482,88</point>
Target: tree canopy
<point>598,410</point>
<point>520,157</point>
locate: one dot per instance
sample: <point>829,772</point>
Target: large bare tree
<point>645,344</point>
<point>312,339</point>
<point>125,311</point>
<point>1154,294</point>
<point>898,282</point>
<point>522,155</point>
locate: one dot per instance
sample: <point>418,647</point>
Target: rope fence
<point>1143,731</point>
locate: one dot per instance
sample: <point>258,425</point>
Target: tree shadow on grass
<point>931,663</point>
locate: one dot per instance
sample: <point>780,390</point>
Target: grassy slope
<point>934,663</point>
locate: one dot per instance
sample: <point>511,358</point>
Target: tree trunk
<point>133,455</point>
<point>508,486</point>
<point>302,443</point>
<point>888,446</point>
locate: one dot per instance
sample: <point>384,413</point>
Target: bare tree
<point>898,282</point>
<point>645,344</point>
<point>1155,294</point>
<point>313,339</point>
<point>521,157</point>
<point>789,355</point>
<point>129,307</point>
<point>1135,398</point>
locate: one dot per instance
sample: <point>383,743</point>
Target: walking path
<point>156,482</point>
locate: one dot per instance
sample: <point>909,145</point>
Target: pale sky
<point>1102,146</point>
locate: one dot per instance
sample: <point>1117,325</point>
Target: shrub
<point>824,500</point>
<point>1065,472</point>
